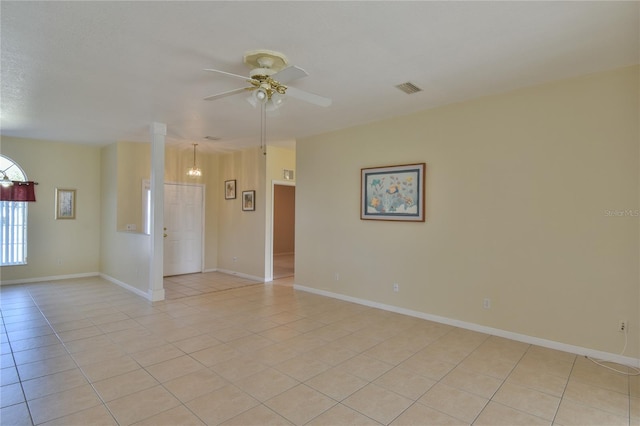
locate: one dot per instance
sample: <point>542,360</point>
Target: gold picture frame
<point>65,203</point>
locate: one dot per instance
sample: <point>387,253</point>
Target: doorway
<point>183,229</point>
<point>284,226</point>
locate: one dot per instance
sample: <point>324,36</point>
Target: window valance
<point>19,191</point>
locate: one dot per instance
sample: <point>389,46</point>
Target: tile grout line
<point>78,367</point>
<point>564,390</point>
<point>299,313</point>
<point>505,381</point>
<point>15,366</point>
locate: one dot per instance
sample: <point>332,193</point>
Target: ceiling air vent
<point>409,88</point>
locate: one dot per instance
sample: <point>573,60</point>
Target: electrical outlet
<point>623,326</point>
<point>486,303</point>
<point>235,259</point>
<point>396,287</point>
<point>337,276</point>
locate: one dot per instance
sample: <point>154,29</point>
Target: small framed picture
<point>248,201</point>
<point>65,203</point>
<point>230,189</point>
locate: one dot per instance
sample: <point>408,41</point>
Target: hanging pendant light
<point>5,181</point>
<point>194,172</point>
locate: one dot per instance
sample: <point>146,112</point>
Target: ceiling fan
<point>270,71</point>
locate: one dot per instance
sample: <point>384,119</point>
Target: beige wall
<point>518,188</point>
<point>213,198</point>
<point>134,166</point>
<point>124,256</point>
<point>92,244</point>
<point>279,159</point>
<point>58,247</point>
<point>241,234</point>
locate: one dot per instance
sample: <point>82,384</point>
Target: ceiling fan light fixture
<point>194,171</point>
<point>270,75</point>
<point>264,95</point>
<point>277,100</point>
<point>257,98</point>
<point>261,95</point>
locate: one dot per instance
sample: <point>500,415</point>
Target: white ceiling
<point>98,72</point>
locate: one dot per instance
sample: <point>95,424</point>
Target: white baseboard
<point>578,350</point>
<point>72,276</point>
<point>52,278</point>
<point>241,275</point>
<point>127,286</point>
<point>155,295</point>
<point>210,270</point>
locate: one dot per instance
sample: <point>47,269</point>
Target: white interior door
<point>183,229</point>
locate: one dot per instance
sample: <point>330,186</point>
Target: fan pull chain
<point>263,128</point>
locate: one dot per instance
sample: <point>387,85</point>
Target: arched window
<point>13,216</point>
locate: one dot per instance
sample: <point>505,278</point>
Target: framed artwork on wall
<point>248,201</point>
<point>393,193</point>
<point>230,189</point>
<point>65,203</point>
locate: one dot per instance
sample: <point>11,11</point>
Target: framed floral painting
<point>393,193</point>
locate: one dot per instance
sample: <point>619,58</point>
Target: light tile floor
<point>283,265</point>
<point>179,286</point>
<point>87,352</point>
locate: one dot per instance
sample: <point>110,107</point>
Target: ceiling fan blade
<point>288,74</point>
<point>308,97</point>
<point>243,77</point>
<point>225,94</point>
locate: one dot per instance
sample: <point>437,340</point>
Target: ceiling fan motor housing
<point>263,58</point>
<point>265,62</point>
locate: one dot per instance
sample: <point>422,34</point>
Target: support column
<point>156,288</point>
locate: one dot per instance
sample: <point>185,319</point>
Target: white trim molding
<point>578,350</point>
<point>52,278</point>
<point>128,287</point>
<point>241,275</point>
